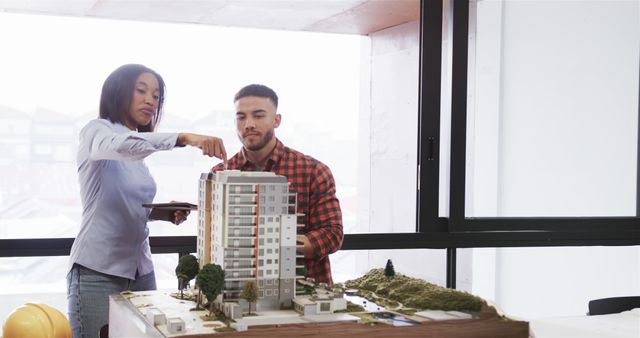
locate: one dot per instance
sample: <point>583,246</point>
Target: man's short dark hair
<point>259,91</point>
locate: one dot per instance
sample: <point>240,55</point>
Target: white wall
<point>393,128</point>
<point>554,92</point>
<point>392,143</point>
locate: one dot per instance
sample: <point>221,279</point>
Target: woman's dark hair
<point>117,91</point>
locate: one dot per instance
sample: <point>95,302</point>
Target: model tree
<point>250,292</point>
<point>186,270</point>
<point>388,270</point>
<point>211,281</point>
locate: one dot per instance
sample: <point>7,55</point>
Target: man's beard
<point>261,143</point>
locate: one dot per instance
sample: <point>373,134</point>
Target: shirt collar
<point>120,128</point>
<point>272,159</point>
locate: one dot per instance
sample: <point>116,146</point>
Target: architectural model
<point>247,224</point>
<point>396,306</point>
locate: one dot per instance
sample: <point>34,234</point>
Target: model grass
<point>413,293</point>
<point>352,308</point>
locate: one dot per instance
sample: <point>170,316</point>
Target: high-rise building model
<point>247,224</point>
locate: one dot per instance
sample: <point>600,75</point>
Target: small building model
<point>156,317</point>
<point>175,325</point>
<point>232,310</point>
<point>324,301</point>
<point>248,225</point>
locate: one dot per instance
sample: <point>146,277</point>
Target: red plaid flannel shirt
<point>316,189</point>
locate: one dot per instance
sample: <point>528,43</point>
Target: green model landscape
<point>413,294</point>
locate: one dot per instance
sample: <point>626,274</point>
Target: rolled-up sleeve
<point>325,217</point>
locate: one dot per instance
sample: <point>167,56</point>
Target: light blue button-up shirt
<point>114,183</point>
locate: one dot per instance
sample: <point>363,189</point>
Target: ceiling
<point>329,16</point>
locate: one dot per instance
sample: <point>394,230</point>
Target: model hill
<point>414,293</point>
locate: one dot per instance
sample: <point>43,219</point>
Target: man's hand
<point>307,249</point>
<point>210,145</point>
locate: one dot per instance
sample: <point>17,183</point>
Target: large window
<point>51,85</point>
<point>51,81</point>
<point>553,109</point>
<point>544,117</point>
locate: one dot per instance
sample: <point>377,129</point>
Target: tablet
<point>172,206</point>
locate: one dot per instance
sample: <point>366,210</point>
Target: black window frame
<point>457,230</point>
<point>457,220</point>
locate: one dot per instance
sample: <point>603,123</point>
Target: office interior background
<point>551,131</point>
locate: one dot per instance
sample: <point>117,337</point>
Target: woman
<point>111,253</point>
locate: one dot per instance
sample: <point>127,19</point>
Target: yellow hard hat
<point>36,321</point>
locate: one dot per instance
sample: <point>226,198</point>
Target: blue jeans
<point>88,295</point>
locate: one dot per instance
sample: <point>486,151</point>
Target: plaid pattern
<point>316,189</point>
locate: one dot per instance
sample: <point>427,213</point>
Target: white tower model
<point>247,224</point>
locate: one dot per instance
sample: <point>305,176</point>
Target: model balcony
<point>239,268</point>
<point>241,225</point>
<point>242,190</point>
<point>230,263</point>
<point>240,243</point>
<point>242,205</point>
<point>240,273</point>
<point>242,199</point>
<point>250,215</point>
<point>232,296</point>
<point>241,231</point>
<point>231,257</point>
<point>241,237</point>
<point>239,278</point>
<point>232,285</point>
<point>240,246</point>
<point>245,211</point>
<point>245,217</point>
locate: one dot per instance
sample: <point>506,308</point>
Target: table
<point>625,324</point>
<point>126,320</point>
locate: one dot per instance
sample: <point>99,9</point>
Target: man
<point>256,120</point>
